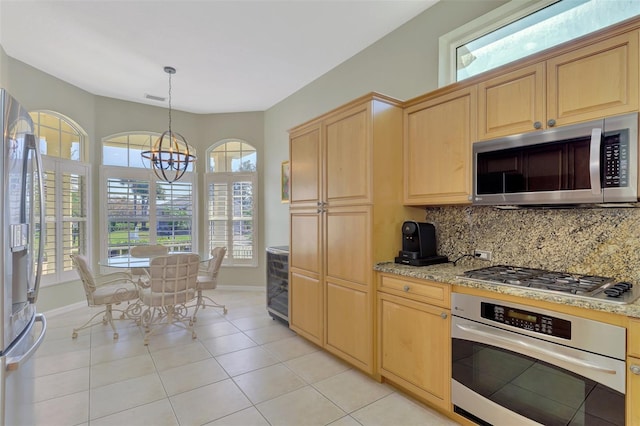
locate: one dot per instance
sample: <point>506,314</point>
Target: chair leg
<point>200,301</point>
<point>153,318</point>
<point>107,318</point>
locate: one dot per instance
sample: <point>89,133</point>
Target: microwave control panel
<point>615,158</point>
<point>527,320</point>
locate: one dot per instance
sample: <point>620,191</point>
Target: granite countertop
<point>447,273</point>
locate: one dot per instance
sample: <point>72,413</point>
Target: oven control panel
<point>527,320</point>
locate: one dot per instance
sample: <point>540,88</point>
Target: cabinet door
<point>348,245</point>
<point>633,338</point>
<point>305,164</point>
<point>415,350</point>
<point>306,297</point>
<point>348,157</point>
<point>594,81</point>
<point>633,391</point>
<point>512,103</point>
<point>437,149</point>
<point>349,329</point>
<point>305,308</point>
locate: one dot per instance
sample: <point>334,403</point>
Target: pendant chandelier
<point>170,156</point>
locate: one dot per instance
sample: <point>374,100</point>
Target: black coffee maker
<point>419,245</point>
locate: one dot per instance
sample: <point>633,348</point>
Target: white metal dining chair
<point>171,285</point>
<point>104,291</point>
<point>208,280</point>
<point>149,251</point>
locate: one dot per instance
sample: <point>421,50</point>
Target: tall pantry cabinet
<point>345,215</point>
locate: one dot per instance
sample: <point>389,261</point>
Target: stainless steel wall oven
<point>513,364</point>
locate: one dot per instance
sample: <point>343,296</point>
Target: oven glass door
<point>537,390</point>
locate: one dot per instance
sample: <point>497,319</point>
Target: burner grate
<point>539,279</point>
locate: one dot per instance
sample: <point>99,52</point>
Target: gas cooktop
<point>583,286</point>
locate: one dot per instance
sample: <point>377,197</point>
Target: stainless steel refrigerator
<point>21,217</point>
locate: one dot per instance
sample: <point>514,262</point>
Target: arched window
<point>138,207</point>
<point>232,198</point>
<point>66,200</point>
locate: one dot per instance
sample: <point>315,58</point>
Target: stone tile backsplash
<point>598,241</point>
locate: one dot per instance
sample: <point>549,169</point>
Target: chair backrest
<point>150,250</point>
<point>174,273</point>
<point>86,276</point>
<point>217,256</point>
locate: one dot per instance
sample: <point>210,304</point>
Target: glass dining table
<point>127,261</point>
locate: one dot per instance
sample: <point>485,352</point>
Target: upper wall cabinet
<point>594,81</point>
<point>600,79</point>
<point>511,103</point>
<point>438,133</point>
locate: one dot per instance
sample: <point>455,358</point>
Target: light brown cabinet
<point>599,79</point>
<point>437,149</point>
<point>633,372</point>
<point>512,103</point>
<point>346,186</point>
<point>414,340</point>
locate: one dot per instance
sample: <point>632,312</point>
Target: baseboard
<point>69,308</point>
<point>64,309</point>
<point>242,288</point>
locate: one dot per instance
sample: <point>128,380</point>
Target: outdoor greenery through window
<point>141,209</point>
<point>66,201</point>
<point>484,44</point>
<point>231,181</point>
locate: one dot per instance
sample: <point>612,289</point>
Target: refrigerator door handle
<point>13,363</point>
<point>33,293</point>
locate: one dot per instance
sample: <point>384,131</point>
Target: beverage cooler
<point>278,282</point>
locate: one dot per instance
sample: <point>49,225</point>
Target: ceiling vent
<point>155,98</point>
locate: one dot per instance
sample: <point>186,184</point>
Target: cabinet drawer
<point>633,338</point>
<point>422,290</point>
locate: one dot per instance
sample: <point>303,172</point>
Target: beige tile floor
<point>243,369</point>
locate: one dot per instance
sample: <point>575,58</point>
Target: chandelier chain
<point>170,103</point>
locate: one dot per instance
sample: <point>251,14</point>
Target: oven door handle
<point>594,161</point>
<point>513,342</point>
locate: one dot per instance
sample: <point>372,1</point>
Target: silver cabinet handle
<point>551,122</point>
<point>319,210</point>
<point>406,288</point>
<point>444,315</point>
<point>537,125</point>
<point>635,369</point>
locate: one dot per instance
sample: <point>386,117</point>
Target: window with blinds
<point>232,182</point>
<point>139,208</point>
<point>66,200</point>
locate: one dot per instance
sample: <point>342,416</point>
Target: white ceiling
<point>230,56</point>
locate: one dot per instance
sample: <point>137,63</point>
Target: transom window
<point>231,180</point>
<point>522,28</point>
<point>66,199</point>
<point>139,208</point>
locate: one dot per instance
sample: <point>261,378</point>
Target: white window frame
<point>491,21</point>
<point>115,172</point>
<point>59,166</point>
<point>228,178</point>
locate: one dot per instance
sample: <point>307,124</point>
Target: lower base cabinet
<point>633,391</point>
<point>415,347</point>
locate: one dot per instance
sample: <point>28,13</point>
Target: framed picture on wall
<point>285,186</point>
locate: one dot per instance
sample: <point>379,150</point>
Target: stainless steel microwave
<point>587,163</point>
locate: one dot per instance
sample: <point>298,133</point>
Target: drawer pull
<point>406,288</point>
<point>537,125</point>
<point>635,369</point>
<point>443,315</point>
